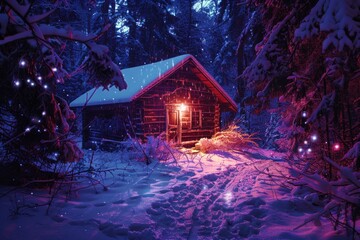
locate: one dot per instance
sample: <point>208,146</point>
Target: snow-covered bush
<point>227,139</point>
<point>153,149</point>
<point>341,198</point>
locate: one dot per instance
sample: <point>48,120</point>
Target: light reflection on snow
<point>228,196</point>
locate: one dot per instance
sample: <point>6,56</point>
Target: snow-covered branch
<point>338,19</point>
<point>271,60</point>
<point>51,31</point>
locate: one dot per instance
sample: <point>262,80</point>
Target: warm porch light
<point>182,107</point>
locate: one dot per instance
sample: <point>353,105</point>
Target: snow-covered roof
<point>142,78</point>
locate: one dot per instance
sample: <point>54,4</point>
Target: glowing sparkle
<point>304,114</point>
<point>314,137</point>
<point>43,113</point>
<point>309,150</point>
<point>300,149</point>
<point>46,86</point>
<point>22,63</point>
<point>336,146</point>
<point>228,196</point>
<point>28,80</point>
<point>306,142</point>
<point>39,78</point>
<point>27,129</point>
<point>32,84</point>
<point>17,83</point>
<point>54,69</point>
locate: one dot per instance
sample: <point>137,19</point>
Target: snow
<point>269,62</point>
<point>337,19</point>
<point>219,195</point>
<point>137,79</point>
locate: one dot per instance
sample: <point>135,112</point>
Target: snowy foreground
<point>223,195</point>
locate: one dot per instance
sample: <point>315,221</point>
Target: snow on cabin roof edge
<point>142,78</point>
<point>139,79</point>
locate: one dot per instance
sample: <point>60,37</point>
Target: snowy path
<point>213,196</point>
<point>217,204</point>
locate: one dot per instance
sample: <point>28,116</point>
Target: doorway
<point>173,126</point>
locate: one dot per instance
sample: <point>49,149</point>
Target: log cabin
<point>176,96</point>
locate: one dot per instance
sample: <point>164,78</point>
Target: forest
<point>292,67</point>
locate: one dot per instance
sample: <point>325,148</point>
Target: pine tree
<point>309,60</point>
<point>34,120</point>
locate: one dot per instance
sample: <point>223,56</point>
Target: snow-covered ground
<point>221,195</point>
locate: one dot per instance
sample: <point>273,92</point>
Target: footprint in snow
<point>148,195</point>
<point>137,197</point>
<point>164,191</point>
<point>82,206</point>
<point>100,204</point>
<point>119,202</point>
<point>58,218</point>
<point>113,230</point>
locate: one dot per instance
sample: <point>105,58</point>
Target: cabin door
<point>173,126</point>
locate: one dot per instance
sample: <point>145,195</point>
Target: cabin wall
<point>200,117</point>
<point>104,124</point>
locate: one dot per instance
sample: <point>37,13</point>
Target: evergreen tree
<point>34,120</point>
<point>150,38</point>
<point>309,60</point>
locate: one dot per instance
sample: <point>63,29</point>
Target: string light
<point>336,146</point>
<point>300,149</point>
<point>309,150</point>
<point>17,83</point>
<point>43,113</point>
<point>45,86</point>
<point>54,69</point>
<point>304,114</point>
<point>314,137</point>
<point>22,63</point>
<point>306,142</point>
